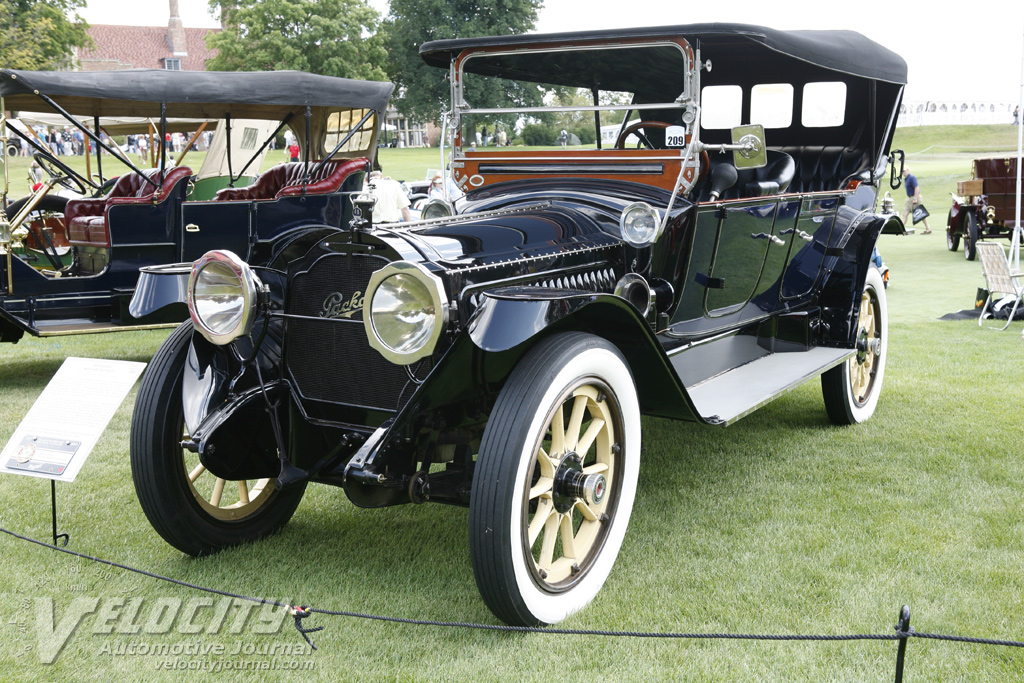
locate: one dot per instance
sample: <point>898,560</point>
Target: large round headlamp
<point>222,292</point>
<point>405,312</point>
<point>437,208</point>
<point>640,224</point>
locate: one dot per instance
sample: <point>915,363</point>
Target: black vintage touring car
<point>499,355</point>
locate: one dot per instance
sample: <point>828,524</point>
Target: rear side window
<point>824,105</point>
<point>721,106</point>
<point>339,123</point>
<point>771,105</point>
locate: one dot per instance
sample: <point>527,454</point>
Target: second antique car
<point>89,249</point>
<point>984,207</point>
<point>499,355</point>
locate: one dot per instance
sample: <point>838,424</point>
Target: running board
<point>725,398</point>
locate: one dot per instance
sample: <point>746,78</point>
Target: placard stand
<point>86,393</point>
<point>53,508</point>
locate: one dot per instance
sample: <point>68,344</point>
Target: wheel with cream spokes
<point>190,507</point>
<point>555,480</point>
<point>851,390</point>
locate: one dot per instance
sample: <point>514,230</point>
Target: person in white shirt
<point>392,202</point>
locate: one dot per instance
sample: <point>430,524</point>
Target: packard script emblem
<point>338,306</point>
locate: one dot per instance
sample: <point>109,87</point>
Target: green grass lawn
<point>780,524</point>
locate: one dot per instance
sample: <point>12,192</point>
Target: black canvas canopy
<point>845,52</point>
<point>189,94</point>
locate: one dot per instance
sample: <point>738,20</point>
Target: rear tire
<point>555,480</point>
<point>970,236</point>
<point>193,510</point>
<point>952,239</point>
<point>851,390</point>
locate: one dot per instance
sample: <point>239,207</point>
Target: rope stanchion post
<point>903,632</point>
<point>53,511</point>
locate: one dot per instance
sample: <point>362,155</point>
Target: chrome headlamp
<point>405,312</point>
<point>640,224</point>
<point>436,208</point>
<point>222,293</point>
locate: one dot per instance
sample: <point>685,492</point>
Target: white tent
<point>246,137</point>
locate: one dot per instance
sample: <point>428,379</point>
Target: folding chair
<point>999,277</point>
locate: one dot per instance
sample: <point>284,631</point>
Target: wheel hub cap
<point>570,484</point>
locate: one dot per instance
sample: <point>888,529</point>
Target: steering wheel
<point>64,175</point>
<point>620,142</point>
<point>47,204</point>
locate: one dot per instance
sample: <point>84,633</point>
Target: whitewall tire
<point>555,480</point>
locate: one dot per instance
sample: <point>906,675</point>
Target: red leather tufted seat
<point>286,180</point>
<point>86,219</point>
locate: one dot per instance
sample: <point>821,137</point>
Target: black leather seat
<point>826,168</point>
<point>774,177</point>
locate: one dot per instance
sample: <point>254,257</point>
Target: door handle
<point>191,227</point>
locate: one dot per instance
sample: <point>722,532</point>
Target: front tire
<point>192,509</point>
<point>555,480</point>
<point>851,390</point>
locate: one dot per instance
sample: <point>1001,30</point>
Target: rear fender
<point>853,241</point>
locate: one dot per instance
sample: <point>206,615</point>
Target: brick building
<point>147,47</point>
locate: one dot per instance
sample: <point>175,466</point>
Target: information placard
<point>66,421</point>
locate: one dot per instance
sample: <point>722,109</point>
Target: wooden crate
<point>970,188</point>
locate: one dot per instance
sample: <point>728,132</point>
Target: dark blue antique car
<point>710,254</point>
<point>88,250</point>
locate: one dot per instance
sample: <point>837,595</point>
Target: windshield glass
<point>571,96</point>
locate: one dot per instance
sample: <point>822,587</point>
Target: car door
<point>216,225</point>
<point>730,246</point>
<point>810,238</point>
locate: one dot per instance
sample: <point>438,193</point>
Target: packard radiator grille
<point>326,352</point>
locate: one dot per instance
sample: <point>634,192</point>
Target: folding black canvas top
<point>845,52</point>
<point>188,94</point>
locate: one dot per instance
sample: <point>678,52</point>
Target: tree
<point>327,37</point>
<point>424,91</point>
<point>40,34</point>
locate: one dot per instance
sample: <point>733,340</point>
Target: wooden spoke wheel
<point>851,390</point>
<point>194,510</point>
<point>555,480</point>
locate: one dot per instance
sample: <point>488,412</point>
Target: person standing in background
<point>913,198</point>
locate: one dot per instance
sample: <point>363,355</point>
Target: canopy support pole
<point>163,142</point>
<point>99,161</point>
<point>1015,242</point>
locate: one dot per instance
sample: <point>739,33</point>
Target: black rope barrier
<point>299,612</point>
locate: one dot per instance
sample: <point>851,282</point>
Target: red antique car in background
<point>983,207</point>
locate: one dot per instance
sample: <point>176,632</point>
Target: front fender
<point>159,287</point>
<point>509,316</point>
